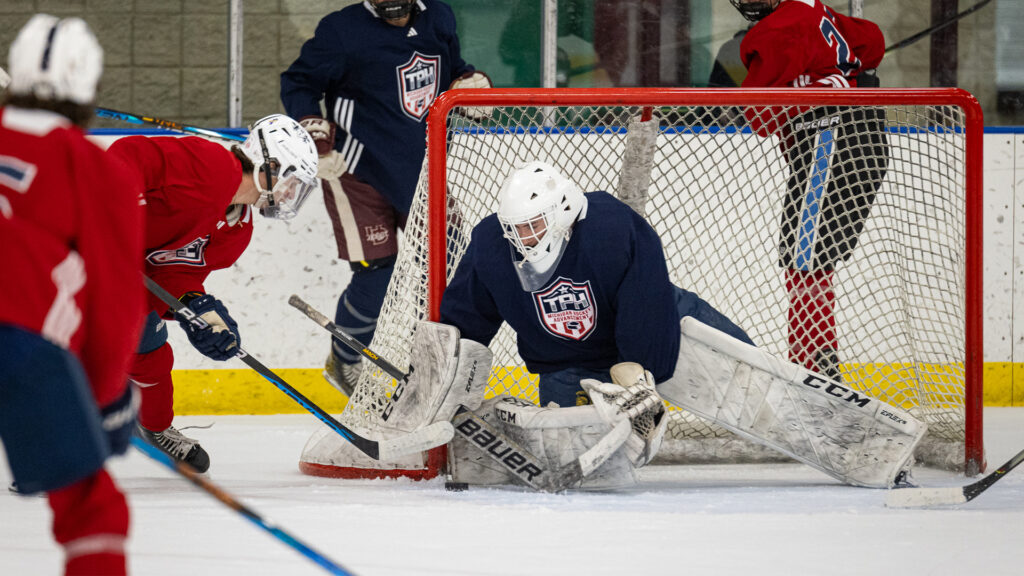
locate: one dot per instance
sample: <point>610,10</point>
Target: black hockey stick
<point>910,40</point>
<point>166,124</point>
<point>922,497</point>
<point>217,492</point>
<point>423,439</point>
<point>520,463</point>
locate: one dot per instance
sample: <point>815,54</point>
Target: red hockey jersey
<point>189,183</point>
<point>805,43</point>
<point>71,232</point>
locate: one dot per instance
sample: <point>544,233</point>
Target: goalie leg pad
<point>822,423</point>
<point>556,437</point>
<point>446,372</point>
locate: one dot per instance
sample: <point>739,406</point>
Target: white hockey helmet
<point>285,164</point>
<point>56,60</point>
<point>537,207</point>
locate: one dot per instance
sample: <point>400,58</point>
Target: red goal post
<point>908,300</point>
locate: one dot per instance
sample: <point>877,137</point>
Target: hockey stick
<point>228,500</point>
<point>521,464</point>
<point>166,124</point>
<point>423,439</point>
<point>922,497</point>
<point>928,31</point>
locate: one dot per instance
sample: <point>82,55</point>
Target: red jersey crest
<point>566,309</point>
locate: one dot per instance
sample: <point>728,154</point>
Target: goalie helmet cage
<point>907,301</point>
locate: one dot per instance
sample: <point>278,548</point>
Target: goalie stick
<point>522,464</point>
<point>923,497</point>
<point>423,439</point>
<point>166,124</point>
<point>228,500</point>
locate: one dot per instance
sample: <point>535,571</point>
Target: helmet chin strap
<point>267,193</point>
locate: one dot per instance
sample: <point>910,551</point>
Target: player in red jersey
<point>837,156</point>
<point>71,300</point>
<point>198,205</point>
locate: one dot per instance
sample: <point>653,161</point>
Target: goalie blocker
<point>842,432</point>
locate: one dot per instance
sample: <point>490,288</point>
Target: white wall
<point>299,257</point>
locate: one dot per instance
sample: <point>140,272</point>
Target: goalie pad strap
<point>824,424</point>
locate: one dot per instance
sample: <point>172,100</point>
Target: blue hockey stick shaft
<point>369,447</point>
<point>217,492</point>
<point>167,124</point>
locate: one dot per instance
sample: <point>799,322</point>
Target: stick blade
<point>924,497</point>
<point>421,440</point>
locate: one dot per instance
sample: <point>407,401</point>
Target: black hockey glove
<point>209,327</point>
<point>118,419</point>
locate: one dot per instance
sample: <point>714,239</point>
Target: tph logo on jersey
<point>192,254</point>
<point>566,309</point>
<point>417,84</point>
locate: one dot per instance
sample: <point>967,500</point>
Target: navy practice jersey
<point>609,300</point>
<point>378,82</point>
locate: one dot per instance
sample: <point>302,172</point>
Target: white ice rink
<point>749,520</point>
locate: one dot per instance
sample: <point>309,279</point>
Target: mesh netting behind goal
<point>906,307</point>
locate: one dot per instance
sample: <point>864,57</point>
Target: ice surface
<point>749,520</point>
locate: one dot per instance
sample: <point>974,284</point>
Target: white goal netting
<point>715,192</point>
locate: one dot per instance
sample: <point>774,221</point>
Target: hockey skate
<point>342,375</point>
<point>178,446</point>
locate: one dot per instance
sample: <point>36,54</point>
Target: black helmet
<point>393,9</point>
<point>755,11</point>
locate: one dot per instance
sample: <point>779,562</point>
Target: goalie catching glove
<point>609,439</point>
<point>631,395</point>
<point>475,79</point>
<point>215,334</point>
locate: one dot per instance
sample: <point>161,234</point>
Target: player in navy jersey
<point>581,279</point>
<point>71,296</point>
<point>837,158</point>
<point>377,66</point>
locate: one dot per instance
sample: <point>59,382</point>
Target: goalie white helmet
<point>537,207</point>
<point>57,60</point>
<point>285,165</point>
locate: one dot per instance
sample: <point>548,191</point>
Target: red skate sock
<point>90,520</point>
<point>812,323</point>
<point>152,373</point>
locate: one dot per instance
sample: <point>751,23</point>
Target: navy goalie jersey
<point>378,82</point>
<point>608,300</point>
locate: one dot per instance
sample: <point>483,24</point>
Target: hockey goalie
<point>581,279</point>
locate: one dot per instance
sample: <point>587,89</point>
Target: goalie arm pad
<point>475,79</point>
<point>447,372</point>
<point>631,396</point>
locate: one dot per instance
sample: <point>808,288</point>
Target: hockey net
<point>907,301</point>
